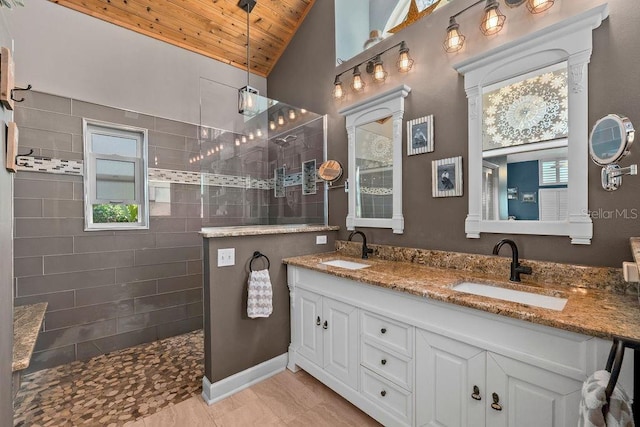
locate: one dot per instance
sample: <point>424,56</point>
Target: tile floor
<point>159,384</point>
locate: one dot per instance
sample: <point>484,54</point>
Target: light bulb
<point>244,139</point>
<point>259,132</point>
<point>292,114</point>
<point>379,74</point>
<point>338,90</point>
<point>272,125</point>
<point>303,111</point>
<point>237,141</point>
<point>251,136</point>
<point>404,63</point>
<point>280,119</point>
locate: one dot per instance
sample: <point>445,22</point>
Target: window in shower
<point>115,177</point>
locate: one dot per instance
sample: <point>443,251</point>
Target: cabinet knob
<point>383,330</point>
<point>495,405</point>
<point>383,393</point>
<point>325,325</point>
<point>476,393</point>
<point>383,361</point>
<point>318,321</point>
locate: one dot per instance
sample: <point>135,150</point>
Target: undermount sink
<point>529,298</point>
<point>350,265</point>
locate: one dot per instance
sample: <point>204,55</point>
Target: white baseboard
<point>211,393</point>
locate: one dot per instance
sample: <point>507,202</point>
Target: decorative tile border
<point>75,167</point>
<point>376,191</point>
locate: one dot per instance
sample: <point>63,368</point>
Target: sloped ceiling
<point>214,28</point>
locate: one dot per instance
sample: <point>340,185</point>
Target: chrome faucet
<point>365,250</point>
<point>516,268</point>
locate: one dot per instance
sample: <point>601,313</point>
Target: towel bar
<point>614,365</point>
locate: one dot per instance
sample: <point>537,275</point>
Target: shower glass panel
<point>251,167</point>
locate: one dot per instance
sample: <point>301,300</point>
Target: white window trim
<point>569,40</point>
<point>141,173</point>
<point>541,182</point>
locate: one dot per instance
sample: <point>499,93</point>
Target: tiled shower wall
<point>106,289</point>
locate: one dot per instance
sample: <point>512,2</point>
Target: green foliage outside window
<point>106,213</point>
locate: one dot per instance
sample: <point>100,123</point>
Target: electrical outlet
<point>321,240</point>
<point>226,257</point>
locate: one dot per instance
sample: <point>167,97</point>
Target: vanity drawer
<point>392,399</point>
<point>396,335</point>
<point>395,368</point>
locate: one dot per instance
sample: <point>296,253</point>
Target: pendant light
<point>379,73</point>
<point>248,96</point>
<point>357,83</point>
<point>493,20</point>
<point>454,40</point>
<point>404,63</point>
<point>338,90</point>
<point>539,6</point>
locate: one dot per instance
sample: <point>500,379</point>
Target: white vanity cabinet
<point>412,361</point>
<point>459,385</point>
<point>327,333</point>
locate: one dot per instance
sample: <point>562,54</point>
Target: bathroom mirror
<point>374,130</point>
<point>609,142</point>
<point>330,171</point>
<point>545,126</point>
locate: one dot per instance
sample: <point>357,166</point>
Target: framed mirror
<point>374,130</point>
<point>527,106</point>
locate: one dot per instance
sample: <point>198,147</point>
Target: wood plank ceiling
<point>213,28</point>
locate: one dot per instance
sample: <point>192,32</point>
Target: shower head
<point>284,142</point>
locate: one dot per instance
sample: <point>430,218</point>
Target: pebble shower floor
<point>116,388</point>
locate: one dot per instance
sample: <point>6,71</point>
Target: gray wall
<point>106,289</point>
<point>6,265</point>
<point>437,89</point>
<point>233,341</point>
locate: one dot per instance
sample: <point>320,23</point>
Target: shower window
<point>114,178</point>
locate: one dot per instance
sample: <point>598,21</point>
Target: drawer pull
<point>383,330</point>
<point>383,393</point>
<point>325,325</point>
<point>383,361</point>
<point>495,405</point>
<point>476,393</point>
<point>318,321</point>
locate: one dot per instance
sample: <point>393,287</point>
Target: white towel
<point>593,399</point>
<point>259,301</point>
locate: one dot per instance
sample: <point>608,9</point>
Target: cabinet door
<point>447,371</point>
<point>341,340</point>
<point>308,329</point>
<point>530,396</point>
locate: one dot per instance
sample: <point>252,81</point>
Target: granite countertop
<point>27,320</point>
<point>594,312</point>
<point>254,230</point>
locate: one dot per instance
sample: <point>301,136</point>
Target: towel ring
<point>257,255</point>
<point>614,365</point>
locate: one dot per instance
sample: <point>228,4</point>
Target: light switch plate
<point>321,240</point>
<point>226,257</point>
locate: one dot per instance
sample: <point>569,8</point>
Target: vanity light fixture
<point>375,67</point>
<point>539,6</point>
<point>493,20</point>
<point>404,63</point>
<point>247,95</point>
<point>357,83</point>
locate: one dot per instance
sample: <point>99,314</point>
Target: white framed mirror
<point>527,103</point>
<point>374,130</point>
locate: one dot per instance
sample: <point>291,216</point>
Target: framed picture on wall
<point>529,197</point>
<point>447,177</point>
<point>420,135</point>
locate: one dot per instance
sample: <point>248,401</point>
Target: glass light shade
<point>292,114</point>
<point>303,111</point>
<point>248,101</point>
<point>237,141</point>
<point>259,132</point>
<point>404,63</point>
<point>280,119</point>
<point>251,136</point>
<point>357,83</point>
<point>538,6</point>
<point>244,139</point>
<point>454,40</point>
<point>493,20</point>
<point>272,125</point>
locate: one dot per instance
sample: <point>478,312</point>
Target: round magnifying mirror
<point>610,140</point>
<point>330,171</point>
